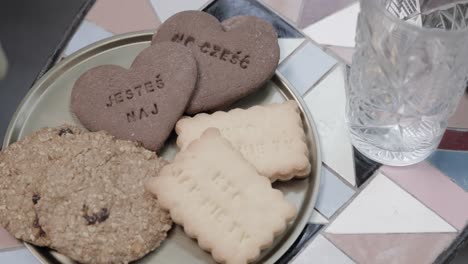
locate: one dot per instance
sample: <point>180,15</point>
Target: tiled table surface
<point>364,213</point>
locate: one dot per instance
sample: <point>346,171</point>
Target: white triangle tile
<point>317,218</point>
<point>166,8</point>
<point>87,33</point>
<point>287,46</point>
<point>384,208</point>
<point>338,29</point>
<point>320,250</point>
<point>326,103</point>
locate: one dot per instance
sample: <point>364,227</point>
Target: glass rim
<point>377,4</point>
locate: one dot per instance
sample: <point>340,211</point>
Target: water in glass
<point>407,76</point>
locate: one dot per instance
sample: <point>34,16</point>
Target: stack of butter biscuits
<point>104,196</point>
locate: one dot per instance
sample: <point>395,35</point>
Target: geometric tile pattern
<point>311,14</point>
<point>454,164</point>
<point>393,214</point>
<point>320,250</point>
<point>333,193</point>
<point>382,208</point>
<point>134,15</point>
<point>393,248</point>
<point>345,53</point>
<point>455,140</point>
<point>326,102</point>
<point>438,192</point>
<point>309,231</point>
<point>289,9</point>
<point>224,9</point>
<point>302,71</point>
<point>87,33</point>
<point>324,31</point>
<point>318,218</point>
<point>364,167</point>
<point>287,46</point>
<point>165,8</point>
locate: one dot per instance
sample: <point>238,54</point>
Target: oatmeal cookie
<point>82,194</point>
<point>22,165</point>
<point>94,207</point>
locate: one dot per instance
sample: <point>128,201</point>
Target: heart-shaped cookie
<point>235,58</point>
<point>142,103</point>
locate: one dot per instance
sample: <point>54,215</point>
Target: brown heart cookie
<point>142,103</point>
<point>234,58</point>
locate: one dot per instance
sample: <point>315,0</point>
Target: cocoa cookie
<point>141,103</point>
<point>94,207</point>
<point>22,166</point>
<point>235,58</point>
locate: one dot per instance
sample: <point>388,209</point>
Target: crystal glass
<point>407,76</point>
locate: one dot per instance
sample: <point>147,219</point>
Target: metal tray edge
<point>38,88</point>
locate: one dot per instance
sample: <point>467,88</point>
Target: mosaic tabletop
<point>365,213</point>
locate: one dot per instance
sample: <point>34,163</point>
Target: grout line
<point>323,77</point>
<point>295,51</point>
<point>445,175</point>
<point>308,242</point>
<point>341,178</point>
<point>301,31</point>
<point>341,250</point>
<point>318,212</point>
<point>153,8</point>
<point>452,250</point>
<point>345,205</point>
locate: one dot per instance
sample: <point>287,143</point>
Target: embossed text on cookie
<point>133,93</point>
<point>215,211</point>
<point>214,50</point>
<point>136,91</point>
<point>142,113</point>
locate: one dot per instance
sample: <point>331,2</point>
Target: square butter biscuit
<point>271,137</point>
<point>221,200</point>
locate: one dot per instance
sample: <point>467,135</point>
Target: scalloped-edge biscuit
<point>221,200</point>
<point>271,137</point>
